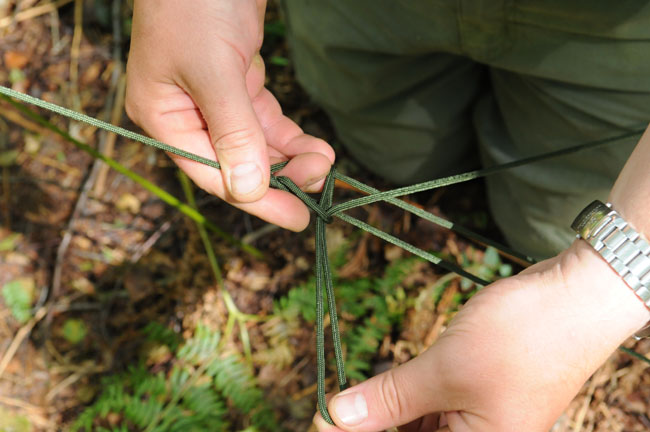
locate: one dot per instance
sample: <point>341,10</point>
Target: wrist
<point>611,305</point>
<point>630,196</point>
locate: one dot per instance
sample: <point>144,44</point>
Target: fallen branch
<point>33,12</point>
<point>21,335</point>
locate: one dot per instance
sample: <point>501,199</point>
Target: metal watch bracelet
<point>624,249</point>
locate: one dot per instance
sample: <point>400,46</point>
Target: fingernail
<point>351,408</point>
<point>245,178</point>
<point>313,181</point>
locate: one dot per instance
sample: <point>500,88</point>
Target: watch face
<point>589,218</point>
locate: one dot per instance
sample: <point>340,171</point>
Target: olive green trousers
<point>417,89</point>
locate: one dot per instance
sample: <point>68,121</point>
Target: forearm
<point>630,195</point>
<point>616,306</point>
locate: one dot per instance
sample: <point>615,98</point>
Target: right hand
<point>512,358</point>
<point>196,81</point>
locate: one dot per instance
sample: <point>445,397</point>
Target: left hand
<point>511,360</point>
<point>196,82</point>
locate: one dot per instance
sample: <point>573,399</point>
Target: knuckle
<point>236,141</point>
<point>131,108</point>
<point>390,396</point>
<point>326,149</point>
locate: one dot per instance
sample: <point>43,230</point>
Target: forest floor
<point>89,258</point>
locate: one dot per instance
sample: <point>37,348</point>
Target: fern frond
<point>142,412</point>
<point>201,347</point>
<point>157,332</point>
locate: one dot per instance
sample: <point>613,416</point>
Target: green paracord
<point>325,210</point>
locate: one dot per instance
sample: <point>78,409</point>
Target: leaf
<point>15,60</point>
<point>18,296</point>
<point>16,76</point>
<point>83,285</point>
<point>279,61</point>
<point>466,284</point>
<point>74,330</point>
<point>8,158</point>
<point>491,258</point>
<point>13,422</point>
<point>61,157</point>
<point>86,266</point>
<point>275,28</point>
<point>505,270</point>
<point>128,202</point>
<point>10,242</point>
<point>32,143</point>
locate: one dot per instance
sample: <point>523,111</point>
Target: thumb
<point>391,399</point>
<point>234,129</point>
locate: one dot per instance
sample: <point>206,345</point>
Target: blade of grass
<point>635,354</point>
<point>165,196</point>
<point>234,314</point>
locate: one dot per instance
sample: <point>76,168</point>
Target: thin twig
<point>61,166</point>
<point>74,54</point>
<point>6,197</point>
<point>71,379</point>
<point>118,80</point>
<point>36,414</point>
<point>310,390</point>
<point>19,338</point>
<point>108,146</point>
<point>6,187</point>
<point>582,412</point>
<point>67,236</point>
<point>253,236</point>
<point>294,372</point>
<point>19,404</point>
<point>152,240</point>
<point>21,121</point>
<point>55,32</point>
<point>33,12</point>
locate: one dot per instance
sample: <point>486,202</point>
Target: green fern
<point>381,305</point>
<point>368,309</point>
<point>299,302</point>
<point>201,348</point>
<point>197,394</point>
<point>157,332</point>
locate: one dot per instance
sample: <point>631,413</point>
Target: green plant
<point>18,296</point>
<point>374,307</point>
<point>490,267</point>
<point>10,422</point>
<point>369,308</point>
<point>74,330</point>
<point>202,390</point>
<point>10,242</point>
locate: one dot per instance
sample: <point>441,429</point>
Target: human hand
<point>512,358</point>
<point>196,82</point>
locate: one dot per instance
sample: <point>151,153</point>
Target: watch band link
<point>624,249</point>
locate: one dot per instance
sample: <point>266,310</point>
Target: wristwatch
<point>624,249</point>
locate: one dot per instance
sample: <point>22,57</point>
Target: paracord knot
<point>328,219</point>
<point>286,184</point>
